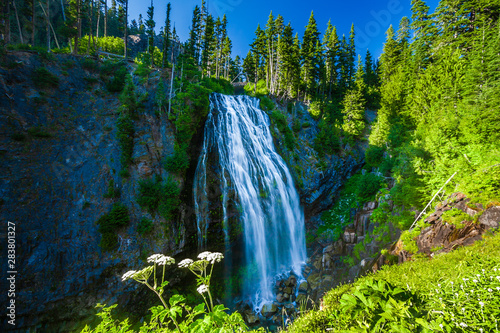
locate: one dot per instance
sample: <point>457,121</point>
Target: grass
<point>463,284</point>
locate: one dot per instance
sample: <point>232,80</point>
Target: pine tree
<point>166,37</point>
<point>208,48</point>
<point>258,48</point>
<point>309,56</point>
<point>150,24</point>
<point>351,56</point>
<point>249,67</point>
<point>332,46</point>
<point>142,28</point>
<point>195,35</point>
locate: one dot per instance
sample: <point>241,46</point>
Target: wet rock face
<point>52,187</point>
<point>317,179</point>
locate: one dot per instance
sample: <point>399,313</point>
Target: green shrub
<point>113,73</point>
<point>260,91</point>
<point>90,64</point>
<point>266,103</point>
<point>42,78</point>
<point>315,110</point>
<point>113,191</point>
<point>39,132</point>
<point>456,217</point>
<point>125,135</point>
<point>145,226</point>
<point>142,70</point>
<point>178,161</point>
<point>156,195</point>
<point>280,120</point>
<point>296,126</point>
<point>374,155</point>
<point>109,223</point>
<point>368,185</point>
<point>18,137</point>
<point>327,141</point>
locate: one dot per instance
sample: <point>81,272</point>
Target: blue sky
<point>371,18</point>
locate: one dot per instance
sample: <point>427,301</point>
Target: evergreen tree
<point>142,28</point>
<point>195,35</point>
<point>309,55</point>
<point>208,48</point>
<point>332,46</point>
<point>150,24</point>
<point>166,37</point>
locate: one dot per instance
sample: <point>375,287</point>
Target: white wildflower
<point>165,260</point>
<point>490,290</point>
<point>481,303</point>
<point>441,325</point>
<point>478,275</point>
<point>127,275</point>
<point>185,263</point>
<point>439,285</point>
<point>472,291</point>
<point>204,255</point>
<point>202,289</point>
<point>215,257</point>
<point>497,288</point>
<point>475,281</point>
<point>463,309</point>
<point>463,324</point>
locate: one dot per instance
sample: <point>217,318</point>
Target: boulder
<point>490,218</point>
<point>268,310</point>
<point>251,318</point>
<point>303,287</point>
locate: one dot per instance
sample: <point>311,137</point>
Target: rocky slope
<point>59,153</point>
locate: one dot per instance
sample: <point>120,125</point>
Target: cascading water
<point>255,179</point>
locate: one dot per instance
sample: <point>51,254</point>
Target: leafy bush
<point>110,223</point>
<point>108,44</point>
<point>42,78</point>
<point>266,103</point>
<point>39,132</point>
<point>374,155</point>
<point>280,120</point>
<point>456,217</point>
<point>113,73</point>
<point>368,186</point>
<point>144,58</point>
<point>145,226</point>
<point>315,110</point>
<point>142,70</point>
<point>125,135</point>
<point>327,141</point>
<point>260,91</point>
<point>178,161</point>
<point>156,195</point>
<point>90,64</point>
<point>339,216</point>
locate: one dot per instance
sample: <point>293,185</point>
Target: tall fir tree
<point>166,37</point>
<point>150,31</point>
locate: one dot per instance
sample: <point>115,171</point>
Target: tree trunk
<point>125,30</point>
<point>33,23</point>
<point>18,23</point>
<point>171,87</point>
<point>48,25</point>
<point>105,18</point>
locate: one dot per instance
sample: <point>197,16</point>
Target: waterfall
<point>254,179</point>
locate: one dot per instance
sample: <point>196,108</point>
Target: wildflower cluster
<point>468,305</point>
<point>176,314</point>
<point>203,276</point>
